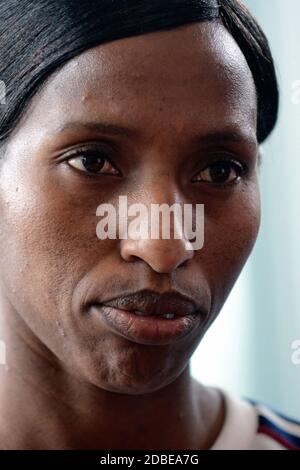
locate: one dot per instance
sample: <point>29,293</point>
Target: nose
<point>163,252</point>
<point>163,256</point>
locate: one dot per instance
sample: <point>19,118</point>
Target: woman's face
<point>160,109</point>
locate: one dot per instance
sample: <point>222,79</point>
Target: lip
<point>153,303</point>
<point>150,328</point>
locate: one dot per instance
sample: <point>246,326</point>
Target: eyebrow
<point>101,127</point>
<point>107,128</point>
<point>216,137</point>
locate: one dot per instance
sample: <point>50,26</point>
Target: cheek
<point>49,243</point>
<point>48,238</point>
<point>231,229</point>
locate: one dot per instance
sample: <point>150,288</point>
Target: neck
<point>43,406</point>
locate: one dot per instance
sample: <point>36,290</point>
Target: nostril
<point>184,263</point>
<point>163,256</point>
<point>129,258</point>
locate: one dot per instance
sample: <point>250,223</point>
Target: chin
<point>131,374</point>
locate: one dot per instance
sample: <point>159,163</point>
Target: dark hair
<point>38,36</point>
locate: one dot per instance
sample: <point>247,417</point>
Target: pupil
<point>92,163</point>
<point>220,172</point>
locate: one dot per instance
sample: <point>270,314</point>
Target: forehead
<point>194,75</point>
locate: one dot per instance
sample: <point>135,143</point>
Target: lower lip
<point>152,330</point>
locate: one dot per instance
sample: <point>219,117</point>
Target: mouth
<point>168,316</point>
<point>147,317</point>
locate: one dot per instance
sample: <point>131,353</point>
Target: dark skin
<point>188,98</point>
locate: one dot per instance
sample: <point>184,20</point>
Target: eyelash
<point>90,152</point>
<point>241,169</point>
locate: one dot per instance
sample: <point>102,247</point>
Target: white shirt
<point>252,426</point>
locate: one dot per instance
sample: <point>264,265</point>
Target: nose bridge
<point>161,242</point>
<point>161,189</point>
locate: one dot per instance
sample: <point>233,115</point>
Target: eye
<point>223,172</point>
<point>92,161</point>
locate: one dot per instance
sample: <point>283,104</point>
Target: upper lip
<point>153,303</point>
